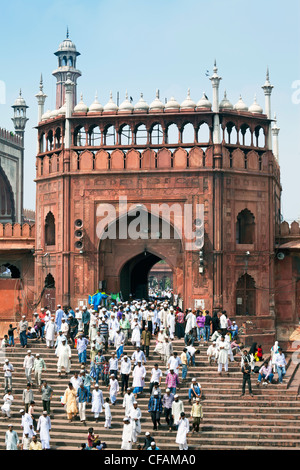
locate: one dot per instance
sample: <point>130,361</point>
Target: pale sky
<point>142,45</point>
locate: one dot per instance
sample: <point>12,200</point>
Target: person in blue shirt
<point>86,321</point>
<point>153,446</point>
<point>83,396</point>
<point>155,409</point>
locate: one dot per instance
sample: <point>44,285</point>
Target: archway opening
<point>160,280</point>
<point>9,271</point>
<point>245,295</point>
<point>134,276</point>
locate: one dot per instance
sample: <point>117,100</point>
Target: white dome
<point>157,105</point>
<point>172,104</point>
<point>111,105</point>
<point>204,102</point>
<point>96,107</point>
<point>126,105</point>
<point>255,108</point>
<point>81,107</point>
<point>47,115</point>
<point>240,105</point>
<point>20,101</point>
<point>141,105</point>
<point>188,103</point>
<point>225,103</point>
<point>54,113</point>
<point>63,109</point>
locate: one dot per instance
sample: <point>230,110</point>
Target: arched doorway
<point>245,296</point>
<point>134,275</point>
<point>125,262</point>
<point>49,297</point>
<point>7,204</point>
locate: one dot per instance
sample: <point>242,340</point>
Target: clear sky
<point>142,45</point>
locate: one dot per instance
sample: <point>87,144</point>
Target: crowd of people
<point>99,336</point>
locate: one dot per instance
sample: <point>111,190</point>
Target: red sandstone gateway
<point>204,153</point>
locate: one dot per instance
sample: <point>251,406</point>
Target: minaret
<point>67,56</point>
<point>41,98</point>
<point>215,81</point>
<point>275,132</point>
<point>20,119</point>
<point>267,87</point>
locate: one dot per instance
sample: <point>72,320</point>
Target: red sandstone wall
<point>10,298</point>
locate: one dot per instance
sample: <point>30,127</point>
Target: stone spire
<point>215,81</point>
<point>267,88</point>
<point>41,98</point>
<point>275,132</point>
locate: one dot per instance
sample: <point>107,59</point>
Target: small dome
<point>81,107</point>
<point>47,115</point>
<point>255,108</point>
<point>20,101</point>
<point>126,105</point>
<point>111,105</point>
<point>62,110</point>
<point>188,103</point>
<point>141,105</point>
<point>204,102</point>
<point>157,105</point>
<point>240,105</point>
<point>225,103</point>
<point>172,104</point>
<point>96,107</point>
<point>54,113</point>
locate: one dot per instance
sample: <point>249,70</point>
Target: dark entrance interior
<point>134,275</point>
<point>245,295</point>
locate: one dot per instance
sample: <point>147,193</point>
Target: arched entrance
<point>125,263</point>
<point>49,297</point>
<point>134,275</point>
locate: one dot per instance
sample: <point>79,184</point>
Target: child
<point>30,412</point>
<point>105,372</point>
<point>107,411</point>
<point>99,361</point>
<point>5,342</point>
<point>10,333</point>
<point>25,442</point>
<point>259,354</point>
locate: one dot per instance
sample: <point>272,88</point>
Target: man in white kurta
<point>7,399</point>
<point>171,323</point>
<point>138,375</point>
<point>11,439</point>
<point>182,432</point>
<point>136,334</point>
<point>127,434</point>
<point>27,424</point>
<point>113,389</point>
<point>135,415</point>
<point>97,402</point>
<point>50,331</point>
<point>177,409</point>
<point>44,427</point>
<point>128,401</point>
<point>64,357</point>
<point>223,349</point>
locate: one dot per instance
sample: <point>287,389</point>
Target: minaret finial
<point>67,32</point>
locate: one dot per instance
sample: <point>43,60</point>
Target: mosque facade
<point>102,168</point>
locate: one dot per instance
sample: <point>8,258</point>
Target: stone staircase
<point>269,420</point>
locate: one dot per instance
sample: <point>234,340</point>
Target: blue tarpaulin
<point>96,299</point>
